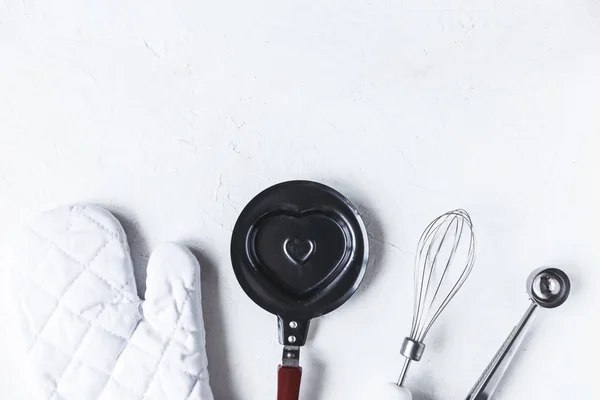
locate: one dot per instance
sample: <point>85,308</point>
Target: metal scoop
<point>548,288</point>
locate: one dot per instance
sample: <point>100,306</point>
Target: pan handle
<point>288,383</point>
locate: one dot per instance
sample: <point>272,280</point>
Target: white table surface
<point>173,114</point>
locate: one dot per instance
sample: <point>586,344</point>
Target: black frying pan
<point>299,250</point>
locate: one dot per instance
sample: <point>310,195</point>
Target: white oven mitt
<point>89,336</point>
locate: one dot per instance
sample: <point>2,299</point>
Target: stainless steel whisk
<point>448,243</point>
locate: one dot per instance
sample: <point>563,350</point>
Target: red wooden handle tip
<point>288,383</point>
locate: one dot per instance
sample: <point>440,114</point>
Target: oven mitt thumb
<point>88,334</point>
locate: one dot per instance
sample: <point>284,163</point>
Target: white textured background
<point>173,114</point>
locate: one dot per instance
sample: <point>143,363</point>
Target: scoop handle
<point>490,378</point>
<point>288,383</point>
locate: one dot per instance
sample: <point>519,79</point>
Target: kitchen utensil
<point>86,334</point>
<point>548,288</point>
<point>299,250</point>
<point>445,257</point>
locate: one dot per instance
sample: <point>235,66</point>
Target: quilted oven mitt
<point>89,336</point>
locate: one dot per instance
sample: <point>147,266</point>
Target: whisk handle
<point>392,391</point>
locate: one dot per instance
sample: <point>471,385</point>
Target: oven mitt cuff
<point>88,334</point>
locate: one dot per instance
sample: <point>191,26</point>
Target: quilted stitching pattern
<point>89,335</point>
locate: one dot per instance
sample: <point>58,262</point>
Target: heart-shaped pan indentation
<point>301,252</point>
